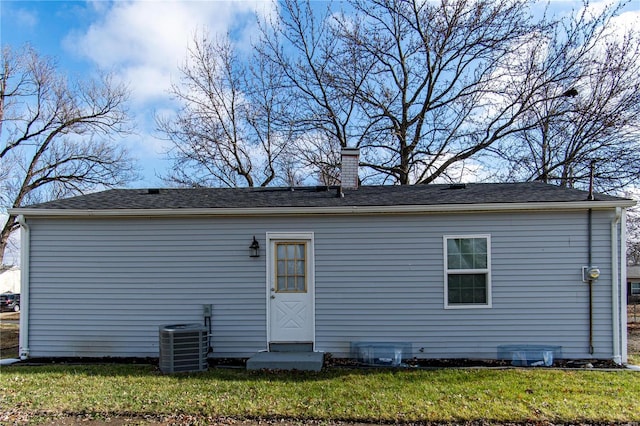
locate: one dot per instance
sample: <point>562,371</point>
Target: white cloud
<point>145,41</point>
<point>147,83</point>
<point>23,18</point>
<point>628,18</point>
<point>627,21</point>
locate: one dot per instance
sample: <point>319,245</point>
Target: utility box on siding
<point>183,348</point>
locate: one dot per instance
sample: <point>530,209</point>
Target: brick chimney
<point>350,158</point>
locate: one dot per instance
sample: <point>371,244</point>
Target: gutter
<point>590,263</point>
<point>329,210</point>
<point>25,240</point>
<point>619,289</point>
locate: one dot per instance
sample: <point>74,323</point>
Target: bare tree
<point>593,115</point>
<point>323,74</point>
<point>224,133</point>
<point>406,81</point>
<point>633,243</point>
<point>633,235</point>
<point>56,135</point>
<point>436,67</point>
<point>422,86</point>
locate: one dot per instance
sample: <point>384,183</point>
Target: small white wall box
<point>381,353</point>
<point>590,273</point>
<point>207,310</point>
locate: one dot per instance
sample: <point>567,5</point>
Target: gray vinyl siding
<point>102,287</point>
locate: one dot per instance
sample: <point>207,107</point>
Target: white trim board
<point>345,210</point>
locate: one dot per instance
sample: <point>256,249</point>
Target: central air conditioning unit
<point>183,348</point>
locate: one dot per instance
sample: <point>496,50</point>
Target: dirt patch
<point>10,316</point>
<point>9,341</point>
<point>633,329</point>
<point>633,338</point>
<point>188,420</point>
<point>9,335</point>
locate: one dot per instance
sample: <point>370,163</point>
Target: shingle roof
<point>326,197</point>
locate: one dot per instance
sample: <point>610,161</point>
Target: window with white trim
<point>635,289</point>
<point>467,271</point>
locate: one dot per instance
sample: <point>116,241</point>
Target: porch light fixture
<point>254,248</point>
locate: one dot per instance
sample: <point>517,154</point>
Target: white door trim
<point>271,237</point>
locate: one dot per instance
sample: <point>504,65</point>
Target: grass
<point>451,395</point>
<point>46,393</point>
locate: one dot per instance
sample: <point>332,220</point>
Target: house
<point>9,279</point>
<point>447,271</point>
<point>633,284</point>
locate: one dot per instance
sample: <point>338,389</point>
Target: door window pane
<point>291,267</point>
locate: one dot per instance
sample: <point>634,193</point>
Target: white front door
<point>290,291</point>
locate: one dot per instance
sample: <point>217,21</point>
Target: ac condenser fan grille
<point>183,348</point>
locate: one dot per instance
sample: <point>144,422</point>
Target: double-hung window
<point>467,271</point>
<point>635,289</point>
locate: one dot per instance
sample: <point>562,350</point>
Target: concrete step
<point>304,361</point>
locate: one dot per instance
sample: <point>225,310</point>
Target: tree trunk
<point>9,226</point>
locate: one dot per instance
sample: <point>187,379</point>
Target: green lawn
<point>448,395</point>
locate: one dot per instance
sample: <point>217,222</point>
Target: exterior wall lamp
<point>254,248</point>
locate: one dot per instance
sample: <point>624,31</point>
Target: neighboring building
<point>9,279</point>
<point>633,284</point>
<point>454,271</point>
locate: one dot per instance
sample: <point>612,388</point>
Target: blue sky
<point>143,42</point>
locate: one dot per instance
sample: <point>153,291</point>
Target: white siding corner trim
<point>618,287</point>
<point>25,239</point>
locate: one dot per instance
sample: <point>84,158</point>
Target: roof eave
<point>342,210</point>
